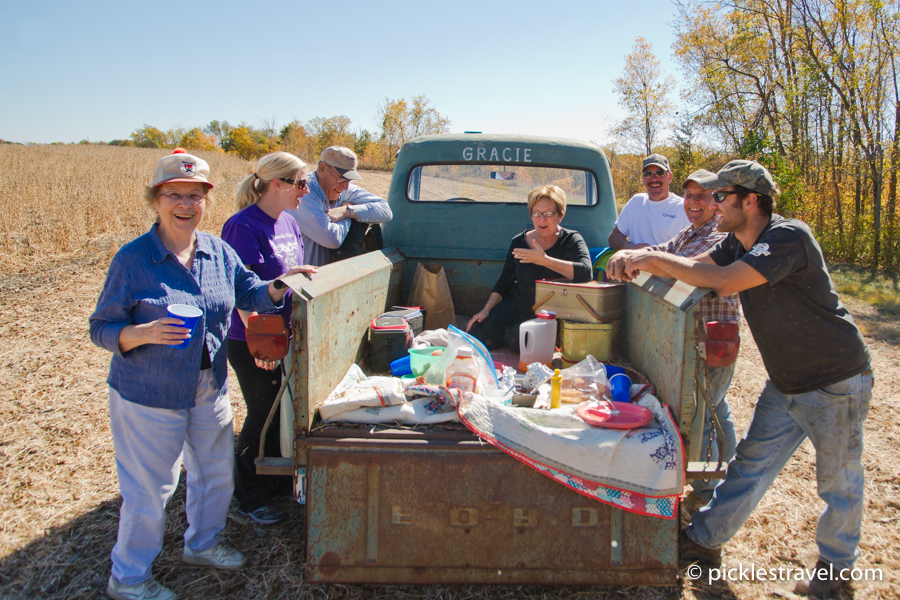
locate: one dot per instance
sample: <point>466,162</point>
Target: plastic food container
<point>421,359</point>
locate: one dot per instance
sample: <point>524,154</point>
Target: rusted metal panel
<point>377,512</point>
<point>332,312</point>
<point>660,340</point>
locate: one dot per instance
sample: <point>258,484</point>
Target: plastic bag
<point>487,374</point>
<point>583,381</point>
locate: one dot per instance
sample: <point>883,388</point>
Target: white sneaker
<point>146,590</point>
<point>219,556</point>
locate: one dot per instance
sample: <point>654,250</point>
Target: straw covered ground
<point>65,212</point>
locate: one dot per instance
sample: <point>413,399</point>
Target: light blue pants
<point>149,445</point>
<point>718,381</point>
<point>832,418</point>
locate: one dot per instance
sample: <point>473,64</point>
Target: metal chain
<point>715,427</point>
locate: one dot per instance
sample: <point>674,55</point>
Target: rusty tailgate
<point>415,509</point>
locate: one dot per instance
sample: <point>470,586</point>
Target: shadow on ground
<point>72,562</point>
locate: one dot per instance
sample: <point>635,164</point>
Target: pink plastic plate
<point>630,416</point>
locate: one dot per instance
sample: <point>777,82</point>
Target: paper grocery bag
<point>431,291</point>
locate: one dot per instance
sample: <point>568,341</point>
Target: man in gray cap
<point>820,374</point>
<point>654,217</point>
<point>695,239</point>
<point>337,213</point>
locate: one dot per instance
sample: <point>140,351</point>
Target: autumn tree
<point>810,89</point>
<point>644,94</point>
<point>150,137</point>
<point>401,121</point>
<point>195,139</point>
<point>292,138</point>
<point>246,142</point>
<point>424,119</point>
<point>333,131</point>
<point>219,130</point>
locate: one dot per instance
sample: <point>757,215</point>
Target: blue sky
<point>98,70</point>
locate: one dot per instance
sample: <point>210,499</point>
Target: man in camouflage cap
<point>820,375</point>
<point>695,239</point>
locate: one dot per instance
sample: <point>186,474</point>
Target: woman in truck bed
<point>546,252</point>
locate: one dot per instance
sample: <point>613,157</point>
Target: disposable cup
<point>613,370</point>
<point>400,367</point>
<point>190,315</point>
<point>620,387</point>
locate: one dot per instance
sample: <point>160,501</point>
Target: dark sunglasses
<point>300,183</point>
<point>719,197</point>
<point>656,173</point>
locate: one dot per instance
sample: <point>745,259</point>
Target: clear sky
<point>99,70</point>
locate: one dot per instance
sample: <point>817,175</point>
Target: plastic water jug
<point>537,340</point>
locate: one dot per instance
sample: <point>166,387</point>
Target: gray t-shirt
<point>806,337</point>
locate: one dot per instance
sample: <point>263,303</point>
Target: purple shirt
<point>269,247</point>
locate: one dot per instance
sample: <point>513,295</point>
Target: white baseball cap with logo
<point>180,167</point>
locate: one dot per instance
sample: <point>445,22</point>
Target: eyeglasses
<point>300,183</point>
<point>340,178</point>
<point>656,173</point>
<point>719,197</point>
<point>547,215</point>
<point>192,198</point>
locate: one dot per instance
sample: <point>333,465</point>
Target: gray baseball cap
<point>746,173</point>
<point>656,159</point>
<point>697,176</point>
<point>343,159</point>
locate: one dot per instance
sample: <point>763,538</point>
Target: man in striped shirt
<point>695,239</point>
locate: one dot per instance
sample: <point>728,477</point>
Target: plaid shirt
<point>693,242</point>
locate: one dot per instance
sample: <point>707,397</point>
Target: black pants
<point>259,387</point>
<point>361,238</point>
<point>501,327</point>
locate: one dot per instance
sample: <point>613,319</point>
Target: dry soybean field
<point>65,211</point>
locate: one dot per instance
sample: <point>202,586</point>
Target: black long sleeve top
<point>518,278</point>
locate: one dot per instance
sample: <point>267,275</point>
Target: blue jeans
<point>832,418</point>
<point>150,444</point>
<point>718,381</point>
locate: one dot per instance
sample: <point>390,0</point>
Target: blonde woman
<point>269,243</point>
<point>546,252</point>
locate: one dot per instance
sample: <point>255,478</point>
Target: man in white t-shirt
<point>652,218</point>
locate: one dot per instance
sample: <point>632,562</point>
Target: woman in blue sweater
<point>170,404</point>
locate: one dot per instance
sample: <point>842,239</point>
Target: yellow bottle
<point>555,383</point>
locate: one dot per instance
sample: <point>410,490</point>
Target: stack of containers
<point>587,314</point>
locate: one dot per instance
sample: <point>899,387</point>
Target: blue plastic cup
<point>620,387</point>
<point>400,367</point>
<point>613,370</point>
<point>190,315</point>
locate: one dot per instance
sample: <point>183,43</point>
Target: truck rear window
<point>502,183</point>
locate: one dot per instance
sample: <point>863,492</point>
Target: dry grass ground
<point>65,211</point>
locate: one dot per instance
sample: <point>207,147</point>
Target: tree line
<point>809,88</point>
<point>399,120</point>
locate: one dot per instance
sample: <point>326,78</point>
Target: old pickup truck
<point>438,505</point>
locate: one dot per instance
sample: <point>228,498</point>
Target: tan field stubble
<point>65,211</point>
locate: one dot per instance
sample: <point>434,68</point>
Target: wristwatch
<point>352,211</point>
